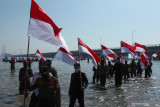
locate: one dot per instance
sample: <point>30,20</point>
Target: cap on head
<point>44,69</point>
<point>76,65</point>
<point>48,60</point>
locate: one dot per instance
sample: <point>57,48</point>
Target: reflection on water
<point>137,92</point>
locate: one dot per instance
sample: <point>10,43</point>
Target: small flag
<point>144,62</point>
<point>83,48</point>
<point>38,54</point>
<point>140,48</point>
<point>65,56</point>
<point>108,53</point>
<point>121,59</point>
<point>126,48</point>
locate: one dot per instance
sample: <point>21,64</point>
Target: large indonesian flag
<point>126,48</point>
<point>65,56</point>
<point>42,27</point>
<point>121,59</point>
<point>108,53</point>
<point>38,54</point>
<point>140,48</point>
<point>83,48</point>
<point>144,62</point>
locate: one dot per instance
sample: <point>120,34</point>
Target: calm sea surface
<point>136,92</point>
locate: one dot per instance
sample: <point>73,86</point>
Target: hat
<point>44,69</point>
<point>76,65</point>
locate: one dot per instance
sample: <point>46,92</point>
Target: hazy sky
<point>90,20</point>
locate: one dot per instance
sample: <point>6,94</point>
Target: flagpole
<point>26,73</point>
<point>79,64</point>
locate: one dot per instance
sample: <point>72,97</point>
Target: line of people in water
<point>46,87</point>
<point>119,71</point>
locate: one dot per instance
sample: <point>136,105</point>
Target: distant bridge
<point>150,49</point>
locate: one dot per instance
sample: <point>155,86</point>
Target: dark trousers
<point>97,76</point>
<point>12,68</point>
<point>80,98</point>
<point>126,74</point>
<point>133,73</point>
<point>118,79</point>
<point>94,77</point>
<point>147,74</point>
<point>103,80</point>
<point>34,100</point>
<point>139,73</point>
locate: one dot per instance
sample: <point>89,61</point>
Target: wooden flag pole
<point>79,64</point>
<point>26,73</point>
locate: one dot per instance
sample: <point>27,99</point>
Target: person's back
<point>118,68</point>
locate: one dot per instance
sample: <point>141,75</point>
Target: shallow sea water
<point>136,92</point>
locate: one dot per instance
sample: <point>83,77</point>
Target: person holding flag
<point>78,84</point>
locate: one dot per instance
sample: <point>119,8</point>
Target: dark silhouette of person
<point>78,84</point>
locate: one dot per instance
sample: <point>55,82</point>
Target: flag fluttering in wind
<point>140,48</point>
<point>144,62</point>
<point>146,55</point>
<point>108,53</point>
<point>155,55</point>
<point>83,48</point>
<point>38,54</point>
<point>121,59</point>
<point>126,48</point>
<point>136,56</point>
<point>42,27</point>
<point>65,56</point>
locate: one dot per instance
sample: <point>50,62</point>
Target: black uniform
<point>49,92</point>
<point>12,64</point>
<point>133,68</point>
<point>103,71</point>
<point>53,71</point>
<point>139,69</point>
<point>118,68</point>
<point>148,70</point>
<point>110,69</point>
<point>126,71</point>
<point>75,90</point>
<point>94,74</point>
<point>23,78</point>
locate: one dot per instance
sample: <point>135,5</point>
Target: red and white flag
<point>83,48</point>
<point>136,56</point>
<point>108,53</point>
<point>126,48</point>
<point>65,56</point>
<point>121,59</point>
<point>38,54</point>
<point>146,55</point>
<point>140,48</point>
<point>43,28</point>
<point>155,54</point>
<point>144,62</point>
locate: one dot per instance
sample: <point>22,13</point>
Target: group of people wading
<point>46,87</point>
<point>119,71</point>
